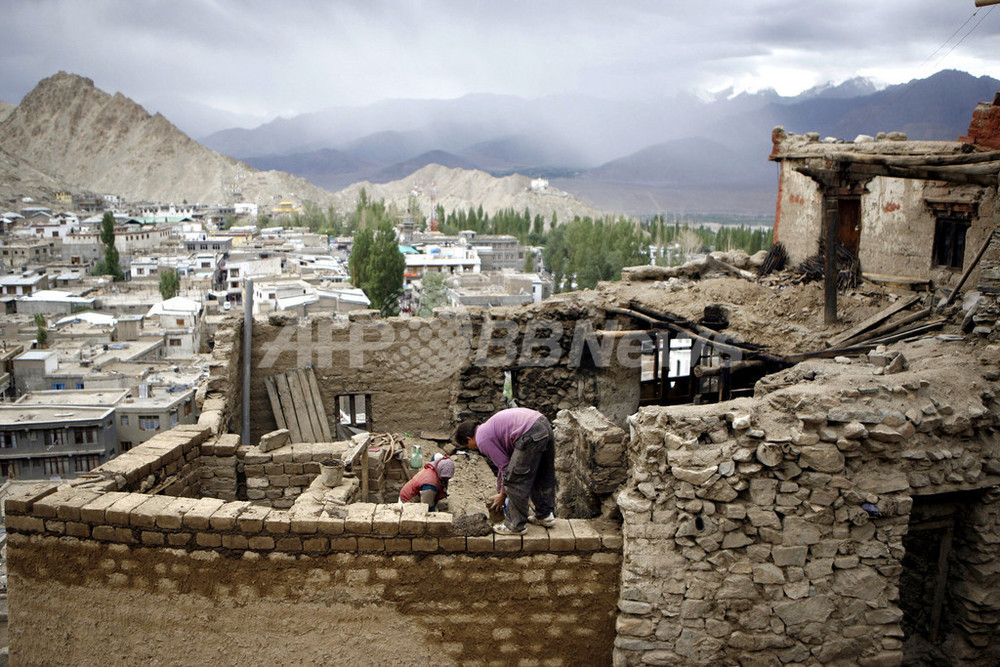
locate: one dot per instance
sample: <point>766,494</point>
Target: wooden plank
<point>288,407</point>
<point>324,421</point>
<point>889,327</point>
<point>968,270</point>
<point>272,395</point>
<point>298,404</point>
<point>308,405</point>
<point>874,320</point>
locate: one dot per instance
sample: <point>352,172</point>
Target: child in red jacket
<point>430,484</point>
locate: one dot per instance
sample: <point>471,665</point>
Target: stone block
<point>789,556</point>
<point>797,531</point>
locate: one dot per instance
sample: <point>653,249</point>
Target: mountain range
<point>679,155</point>
<point>682,154</point>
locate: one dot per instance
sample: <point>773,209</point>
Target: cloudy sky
<point>258,59</point>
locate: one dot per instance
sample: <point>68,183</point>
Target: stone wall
<point>770,529</point>
<point>590,462</point>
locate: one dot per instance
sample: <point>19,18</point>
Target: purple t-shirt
<point>496,437</point>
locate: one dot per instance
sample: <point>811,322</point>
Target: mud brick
<point>144,516</point>
<point>561,536</point>
<point>414,519</point>
<point>22,500</point>
<point>425,544</point>
<point>64,504</point>
<point>535,538</point>
<point>506,543</point>
<point>120,512</point>
<point>587,539</point>
<point>359,518</point>
<point>199,514</point>
<point>439,523</point>
<point>479,544</point>
<point>224,518</point>
<point>385,520</point>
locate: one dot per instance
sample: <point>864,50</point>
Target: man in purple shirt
<point>520,444</point>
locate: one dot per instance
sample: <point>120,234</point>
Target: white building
<point>180,320</point>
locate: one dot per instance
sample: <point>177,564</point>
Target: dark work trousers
<point>531,473</point>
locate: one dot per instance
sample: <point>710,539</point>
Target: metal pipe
<point>247,345</point>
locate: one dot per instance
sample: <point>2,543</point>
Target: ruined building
<point>731,490</point>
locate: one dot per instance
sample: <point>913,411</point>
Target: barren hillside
<point>83,136</point>
<point>463,188</point>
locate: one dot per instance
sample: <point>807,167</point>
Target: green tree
<point>377,267</point>
<point>586,251</point>
<point>433,294</point>
<point>111,264</point>
<point>42,333</point>
<point>170,283</point>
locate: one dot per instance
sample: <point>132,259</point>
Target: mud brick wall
<point>278,477</point>
<point>219,398</point>
<point>771,529</point>
<point>218,467</point>
<point>429,373</point>
<point>590,461</point>
<point>245,583</point>
<point>169,463</point>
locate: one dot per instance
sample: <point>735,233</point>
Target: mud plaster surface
<point>147,606</point>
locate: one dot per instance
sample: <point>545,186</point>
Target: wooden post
<point>364,473</point>
<point>830,216</point>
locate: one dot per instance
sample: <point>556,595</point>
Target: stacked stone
<point>277,477</point>
<point>218,467</point>
<point>590,461</point>
<point>217,398</point>
<point>772,528</point>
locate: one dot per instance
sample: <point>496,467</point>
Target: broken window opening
<point>949,241</point>
<point>354,411</point>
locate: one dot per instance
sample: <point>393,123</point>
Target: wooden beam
<point>889,328</point>
<point>968,269</point>
<point>877,318</point>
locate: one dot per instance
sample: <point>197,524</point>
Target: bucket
<point>331,472</point>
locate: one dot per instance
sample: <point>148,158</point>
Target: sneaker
<point>504,529</point>
<point>547,521</point>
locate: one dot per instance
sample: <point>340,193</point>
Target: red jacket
<point>426,476</point>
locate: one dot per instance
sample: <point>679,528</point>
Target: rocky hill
<point>68,134</point>
<point>457,189</point>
